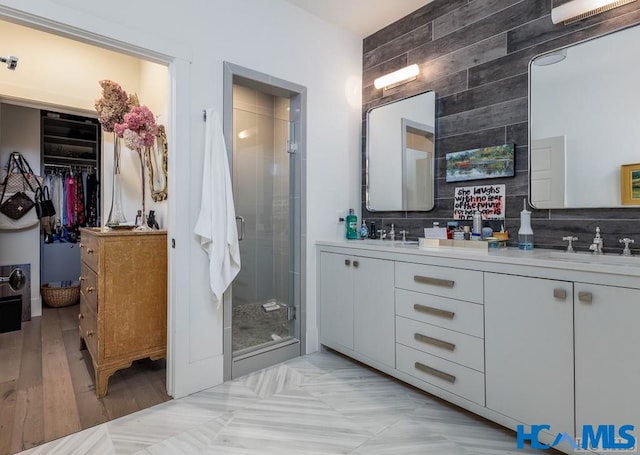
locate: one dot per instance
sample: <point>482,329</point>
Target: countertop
<point>558,260</point>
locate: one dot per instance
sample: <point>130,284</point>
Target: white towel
<point>216,223</point>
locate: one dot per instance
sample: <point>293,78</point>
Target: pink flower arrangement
<point>113,105</point>
<point>138,128</point>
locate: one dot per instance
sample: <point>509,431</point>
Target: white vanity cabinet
<point>607,368</point>
<point>530,338</point>
<point>439,329</point>
<point>529,349</point>
<point>357,306</point>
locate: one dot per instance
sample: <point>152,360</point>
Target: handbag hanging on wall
<point>17,200</point>
<point>44,204</point>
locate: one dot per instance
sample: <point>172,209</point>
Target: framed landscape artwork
<point>630,184</point>
<point>482,163</point>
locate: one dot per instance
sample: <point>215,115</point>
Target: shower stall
<point>263,308</point>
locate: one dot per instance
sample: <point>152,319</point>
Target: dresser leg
<point>102,381</point>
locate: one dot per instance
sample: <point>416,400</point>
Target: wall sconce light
<point>403,75</point>
<point>576,10</point>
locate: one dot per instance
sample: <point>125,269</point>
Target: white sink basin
<point>588,258</point>
<point>379,242</point>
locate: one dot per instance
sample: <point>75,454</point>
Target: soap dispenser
<point>364,230</point>
<point>525,233</point>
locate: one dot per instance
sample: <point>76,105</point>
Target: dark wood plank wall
<point>475,56</point>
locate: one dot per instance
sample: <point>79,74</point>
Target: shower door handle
<point>242,226</point>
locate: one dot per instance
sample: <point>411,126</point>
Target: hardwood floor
<point>47,384</point>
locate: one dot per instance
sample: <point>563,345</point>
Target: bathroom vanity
<point>536,337</point>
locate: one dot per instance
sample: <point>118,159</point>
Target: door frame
<point>184,374</point>
<point>297,94</point>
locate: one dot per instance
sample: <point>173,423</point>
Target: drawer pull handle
<point>81,278</point>
<point>90,333</point>
<point>356,264</point>
<point>433,281</point>
<point>434,342</point>
<point>89,251</point>
<point>347,262</point>
<point>434,311</point>
<point>80,316</point>
<point>559,293</point>
<point>81,245</point>
<point>586,297</point>
<point>90,289</point>
<point>433,372</point>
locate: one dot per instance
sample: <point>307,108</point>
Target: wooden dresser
<point>123,299</point>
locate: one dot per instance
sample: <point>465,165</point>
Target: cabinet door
<point>529,349</point>
<point>374,309</point>
<point>336,300</point>
<point>607,339</point>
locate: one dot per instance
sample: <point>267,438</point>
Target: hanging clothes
<point>79,201</point>
<point>70,191</point>
<point>91,208</point>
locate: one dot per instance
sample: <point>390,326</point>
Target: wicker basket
<point>58,297</point>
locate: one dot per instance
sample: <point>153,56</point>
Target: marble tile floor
<point>321,403</point>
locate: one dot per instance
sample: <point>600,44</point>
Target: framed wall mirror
<point>400,155</point>
<point>584,114</point>
<point>156,158</point>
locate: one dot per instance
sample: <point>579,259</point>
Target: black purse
<point>44,204</point>
<point>16,206</point>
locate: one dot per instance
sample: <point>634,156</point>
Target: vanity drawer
<point>457,347</point>
<point>89,286</point>
<point>454,378</point>
<point>89,328</point>
<point>89,250</point>
<point>443,281</point>
<point>451,314</point>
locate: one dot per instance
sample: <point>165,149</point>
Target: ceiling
<point>360,17</point>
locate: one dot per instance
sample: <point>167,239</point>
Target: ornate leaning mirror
<point>157,158</point>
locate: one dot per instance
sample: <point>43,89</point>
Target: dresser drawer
<point>89,286</point>
<point>443,281</point>
<point>451,314</point>
<point>89,250</point>
<point>89,328</point>
<point>457,347</point>
<point>449,376</point>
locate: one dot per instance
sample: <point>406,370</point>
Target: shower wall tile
<point>476,60</point>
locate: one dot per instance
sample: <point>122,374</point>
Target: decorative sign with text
<point>489,199</point>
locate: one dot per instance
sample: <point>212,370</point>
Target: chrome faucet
<point>570,239</point>
<point>392,233</point>
<point>404,235</point>
<point>596,246</point>
<point>382,234</point>
<point>626,251</point>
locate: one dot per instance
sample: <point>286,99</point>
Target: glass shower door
<point>262,300</point>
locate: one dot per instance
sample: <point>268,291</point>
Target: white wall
<point>20,129</point>
<point>272,37</point>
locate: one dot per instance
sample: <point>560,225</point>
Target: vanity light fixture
<point>406,74</point>
<point>576,10</point>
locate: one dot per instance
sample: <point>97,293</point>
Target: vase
<point>116,214</point>
<point>143,220</point>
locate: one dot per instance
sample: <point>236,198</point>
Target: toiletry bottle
<point>486,231</point>
<point>372,232</point>
<point>352,225</point>
<point>364,230</point>
<point>525,233</point>
<point>138,220</point>
<point>477,223</point>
